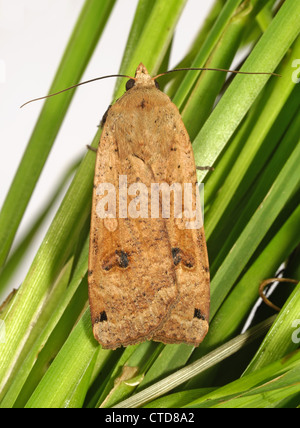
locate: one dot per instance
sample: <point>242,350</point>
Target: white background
<point>33,35</point>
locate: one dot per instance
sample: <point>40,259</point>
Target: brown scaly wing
<point>188,321</point>
<point>132,283</point>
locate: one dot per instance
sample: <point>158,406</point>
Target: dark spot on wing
<point>122,259</point>
<point>102,317</point>
<point>176,256</point>
<point>198,314</point>
<point>118,259</point>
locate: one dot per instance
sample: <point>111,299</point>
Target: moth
<point>148,264</point>
<point>148,274</point>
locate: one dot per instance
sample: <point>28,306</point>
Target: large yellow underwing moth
<point>148,263</point>
<point>148,272</point>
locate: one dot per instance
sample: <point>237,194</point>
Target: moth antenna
<point>214,69</point>
<point>75,86</point>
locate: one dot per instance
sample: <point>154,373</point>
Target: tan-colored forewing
<point>188,321</point>
<point>132,283</point>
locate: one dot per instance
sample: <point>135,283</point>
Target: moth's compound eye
<point>130,84</point>
<point>157,84</point>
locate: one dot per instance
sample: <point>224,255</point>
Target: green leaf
<point>280,339</point>
<point>82,43</point>
<point>210,83</point>
<point>207,48</point>
<point>72,389</point>
<point>227,322</point>
<point>170,382</point>
<point>285,185</point>
<point>235,184</point>
<point>153,42</point>
<point>243,91</point>
<point>274,379</point>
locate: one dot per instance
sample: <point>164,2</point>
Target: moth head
<point>142,79</point>
<point>132,82</point>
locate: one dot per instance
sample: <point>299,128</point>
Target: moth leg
<point>92,149</point>
<point>205,168</point>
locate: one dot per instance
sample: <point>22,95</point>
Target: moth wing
<point>188,320</point>
<point>132,282</point>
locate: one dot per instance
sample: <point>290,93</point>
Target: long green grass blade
<point>187,61</point>
<point>268,395</point>
<point>208,86</point>
<point>235,185</point>
<point>227,322</point>
<point>261,380</point>
<point>207,48</point>
<point>181,376</point>
<point>48,394</point>
<point>16,257</point>
<point>143,11</point>
<point>258,189</point>
<point>244,90</point>
<point>178,399</point>
<point>285,185</point>
<point>52,255</point>
<point>84,39</point>
<point>282,337</point>
<point>49,341</point>
<point>140,360</point>
<point>154,40</point>
<point>232,389</point>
